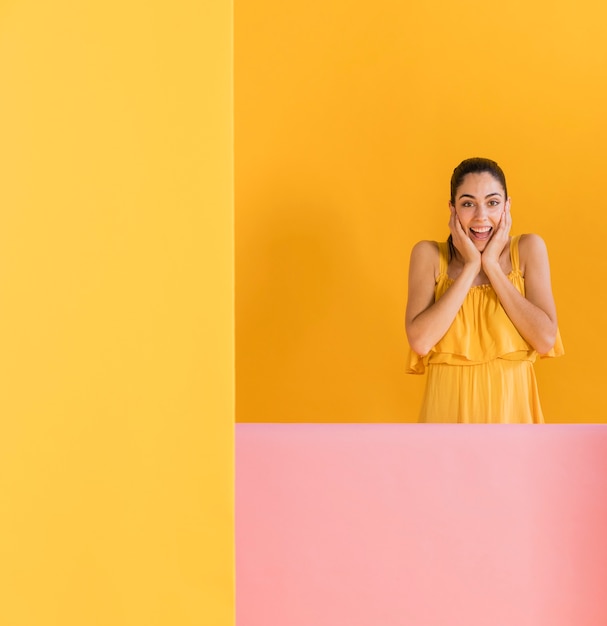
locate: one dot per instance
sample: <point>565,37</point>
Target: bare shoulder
<point>425,251</point>
<point>531,242</point>
<point>424,259</point>
<point>532,251</point>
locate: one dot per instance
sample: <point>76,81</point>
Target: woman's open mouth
<point>481,233</point>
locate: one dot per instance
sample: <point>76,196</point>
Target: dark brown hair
<point>476,165</point>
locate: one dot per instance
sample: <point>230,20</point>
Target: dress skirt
<point>500,391</point>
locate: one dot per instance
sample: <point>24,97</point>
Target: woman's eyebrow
<point>469,195</point>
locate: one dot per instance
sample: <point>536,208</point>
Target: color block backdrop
<point>349,119</point>
<point>421,524</point>
<point>116,313</point>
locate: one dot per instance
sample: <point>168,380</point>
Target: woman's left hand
<point>491,254</point>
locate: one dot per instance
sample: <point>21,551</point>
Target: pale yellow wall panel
<point>349,120</point>
<point>116,313</point>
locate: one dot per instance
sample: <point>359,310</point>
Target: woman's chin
<point>481,244</point>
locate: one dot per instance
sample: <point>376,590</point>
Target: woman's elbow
<point>418,345</point>
<point>546,342</point>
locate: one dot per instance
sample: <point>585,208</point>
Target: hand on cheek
<point>498,241</point>
<point>462,241</point>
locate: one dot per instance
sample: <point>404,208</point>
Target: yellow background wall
<point>116,313</point>
<point>349,120</point>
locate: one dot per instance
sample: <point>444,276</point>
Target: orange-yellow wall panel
<point>349,119</point>
<point>116,313</point>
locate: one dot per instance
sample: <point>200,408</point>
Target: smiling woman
<point>480,308</point>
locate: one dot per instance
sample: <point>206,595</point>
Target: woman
<point>480,308</point>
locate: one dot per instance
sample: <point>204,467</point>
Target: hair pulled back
<point>476,165</point>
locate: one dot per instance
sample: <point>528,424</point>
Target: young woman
<point>480,308</point>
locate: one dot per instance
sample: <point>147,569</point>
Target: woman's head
<point>476,165</point>
<point>479,198</point>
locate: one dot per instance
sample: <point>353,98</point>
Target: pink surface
<point>421,525</point>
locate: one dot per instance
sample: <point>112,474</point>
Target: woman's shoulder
<point>429,258</point>
<point>531,243</point>
<point>426,249</point>
<point>426,252</point>
<point>532,248</point>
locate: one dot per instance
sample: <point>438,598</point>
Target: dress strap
<point>514,253</point>
<point>443,257</point>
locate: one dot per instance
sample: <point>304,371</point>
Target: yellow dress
<point>481,371</point>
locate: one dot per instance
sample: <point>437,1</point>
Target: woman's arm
<point>427,321</point>
<point>533,314</point>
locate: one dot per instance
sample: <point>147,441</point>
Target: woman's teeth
<point>481,232</point>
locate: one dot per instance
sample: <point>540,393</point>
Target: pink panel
<point>421,525</point>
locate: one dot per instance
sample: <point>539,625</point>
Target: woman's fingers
<point>461,241</point>
<point>499,240</point>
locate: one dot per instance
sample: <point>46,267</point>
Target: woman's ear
<point>507,207</point>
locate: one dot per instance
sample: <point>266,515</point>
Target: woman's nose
<point>481,210</point>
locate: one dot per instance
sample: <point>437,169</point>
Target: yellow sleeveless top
<point>494,380</point>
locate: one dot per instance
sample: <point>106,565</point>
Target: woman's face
<point>479,204</point>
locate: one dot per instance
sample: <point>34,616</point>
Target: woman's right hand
<point>469,252</point>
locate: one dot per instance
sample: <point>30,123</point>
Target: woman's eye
<point>493,202</point>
